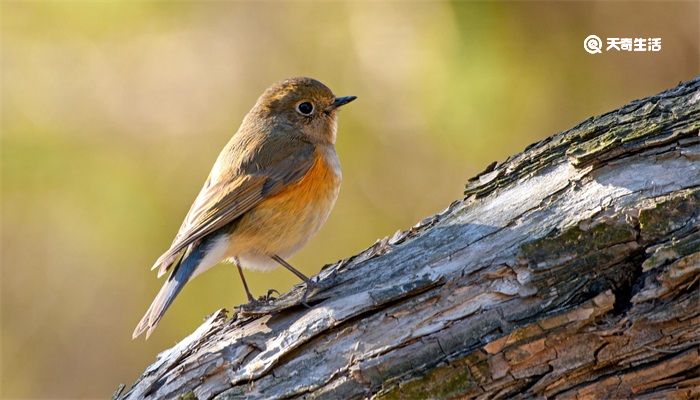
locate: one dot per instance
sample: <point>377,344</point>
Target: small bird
<point>271,188</point>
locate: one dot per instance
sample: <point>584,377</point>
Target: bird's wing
<point>263,170</point>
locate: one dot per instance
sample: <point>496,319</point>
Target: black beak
<point>341,101</point>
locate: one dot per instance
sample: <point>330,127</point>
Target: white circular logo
<point>592,44</point>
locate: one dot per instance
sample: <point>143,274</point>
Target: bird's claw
<point>268,296</point>
<point>312,285</point>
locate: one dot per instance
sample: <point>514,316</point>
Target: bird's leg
<point>251,299</point>
<point>309,283</point>
<point>295,271</point>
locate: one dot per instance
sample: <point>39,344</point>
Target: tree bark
<point>567,271</point>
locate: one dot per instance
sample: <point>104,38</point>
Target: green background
<point>113,113</point>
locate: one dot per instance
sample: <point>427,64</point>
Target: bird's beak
<point>341,101</point>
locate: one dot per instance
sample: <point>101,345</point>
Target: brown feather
<point>279,161</point>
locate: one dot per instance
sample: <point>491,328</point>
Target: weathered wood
<point>568,271</point>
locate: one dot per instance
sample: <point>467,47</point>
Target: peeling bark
<point>567,271</point>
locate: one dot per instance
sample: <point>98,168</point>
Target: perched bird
<point>270,190</point>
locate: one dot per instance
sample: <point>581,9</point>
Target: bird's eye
<point>305,108</point>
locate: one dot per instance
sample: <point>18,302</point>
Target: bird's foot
<point>268,297</point>
<point>255,306</point>
<point>312,286</point>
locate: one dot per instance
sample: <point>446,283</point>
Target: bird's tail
<point>182,272</point>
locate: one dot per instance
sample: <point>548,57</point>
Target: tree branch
<point>569,270</point>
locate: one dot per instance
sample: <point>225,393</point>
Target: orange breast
<point>314,187</point>
<point>282,223</point>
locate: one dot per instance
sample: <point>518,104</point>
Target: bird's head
<point>303,104</point>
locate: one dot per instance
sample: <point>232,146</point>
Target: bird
<point>270,190</point>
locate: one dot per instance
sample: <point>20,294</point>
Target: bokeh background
<point>113,113</point>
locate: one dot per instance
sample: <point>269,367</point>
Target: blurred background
<point>113,113</point>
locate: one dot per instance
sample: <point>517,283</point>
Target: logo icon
<point>592,44</point>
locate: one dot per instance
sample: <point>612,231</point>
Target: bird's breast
<point>314,195</point>
<point>284,222</point>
